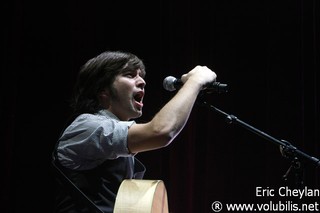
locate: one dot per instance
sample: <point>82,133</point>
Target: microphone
<point>171,83</point>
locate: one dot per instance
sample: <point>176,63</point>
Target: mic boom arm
<point>287,149</point>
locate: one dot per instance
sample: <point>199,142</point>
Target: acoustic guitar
<point>141,196</point>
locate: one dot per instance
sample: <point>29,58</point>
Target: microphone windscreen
<point>168,83</point>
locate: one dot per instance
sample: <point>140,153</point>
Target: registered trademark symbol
<point>216,206</point>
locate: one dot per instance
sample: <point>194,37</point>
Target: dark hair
<point>99,73</point>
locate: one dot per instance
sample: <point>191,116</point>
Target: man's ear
<point>104,94</point>
<point>104,98</point>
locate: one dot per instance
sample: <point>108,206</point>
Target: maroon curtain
<point>267,52</point>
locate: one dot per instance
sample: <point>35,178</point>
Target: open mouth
<point>138,97</point>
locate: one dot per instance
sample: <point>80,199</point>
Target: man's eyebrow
<point>142,73</point>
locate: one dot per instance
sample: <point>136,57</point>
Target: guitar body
<point>141,196</point>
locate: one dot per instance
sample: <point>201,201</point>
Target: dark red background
<point>266,51</point>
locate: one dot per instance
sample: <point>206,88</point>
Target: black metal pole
<point>287,147</point>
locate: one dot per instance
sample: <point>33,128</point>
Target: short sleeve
<point>91,139</point>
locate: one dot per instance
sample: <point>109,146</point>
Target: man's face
<point>127,92</point>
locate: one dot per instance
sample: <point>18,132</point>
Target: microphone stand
<point>287,149</point>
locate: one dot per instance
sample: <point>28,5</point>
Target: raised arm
<point>171,119</point>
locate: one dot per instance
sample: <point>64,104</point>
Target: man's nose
<point>141,83</point>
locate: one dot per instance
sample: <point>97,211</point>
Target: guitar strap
<point>76,191</point>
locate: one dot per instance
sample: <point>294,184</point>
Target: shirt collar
<point>107,113</point>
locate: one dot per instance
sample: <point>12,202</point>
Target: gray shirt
<point>93,138</point>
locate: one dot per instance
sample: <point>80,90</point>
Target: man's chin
<point>137,114</point>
